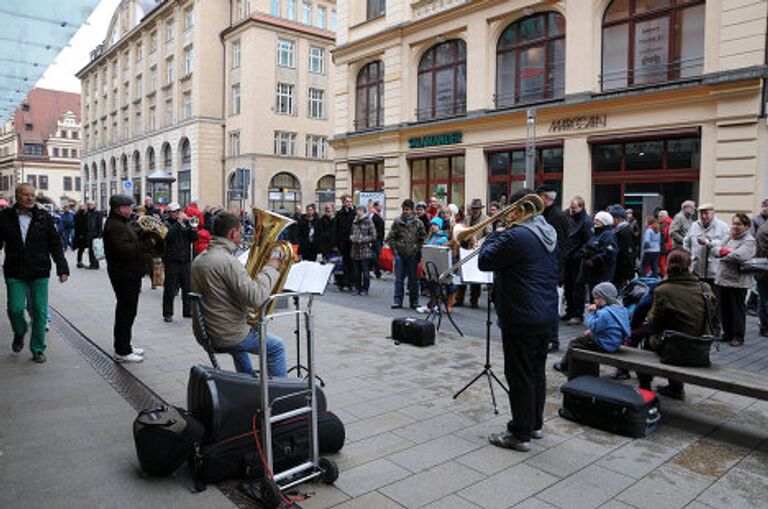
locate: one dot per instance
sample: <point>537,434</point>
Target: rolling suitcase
<point>414,331</point>
<point>610,406</point>
<point>165,438</point>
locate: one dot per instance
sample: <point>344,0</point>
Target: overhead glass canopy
<point>32,33</point>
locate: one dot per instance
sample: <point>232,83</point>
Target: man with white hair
<point>682,223</point>
<point>760,218</point>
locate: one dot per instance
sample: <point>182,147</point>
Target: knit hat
<point>119,200</point>
<point>618,211</point>
<point>421,205</point>
<point>607,292</point>
<point>604,217</point>
<point>437,221</point>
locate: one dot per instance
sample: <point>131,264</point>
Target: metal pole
<point>530,148</point>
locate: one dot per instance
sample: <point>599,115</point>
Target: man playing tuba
<point>229,292</point>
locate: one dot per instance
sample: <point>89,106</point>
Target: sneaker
<point>422,309</point>
<point>665,390</point>
<point>562,368</point>
<point>38,357</point>
<point>553,348</point>
<point>508,441</point>
<point>168,318</point>
<point>538,434</point>
<point>138,351</point>
<point>396,306</point>
<point>363,293</point>
<point>736,342</point>
<point>18,343</point>
<point>574,321</point>
<point>131,357</point>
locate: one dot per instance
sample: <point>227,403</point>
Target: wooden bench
<point>722,378</point>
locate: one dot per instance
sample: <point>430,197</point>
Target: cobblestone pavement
<point>409,443</point>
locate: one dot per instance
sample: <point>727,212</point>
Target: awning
<point>32,35</point>
<point>161,176</point>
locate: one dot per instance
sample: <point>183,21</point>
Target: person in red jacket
<point>666,240</point>
<point>203,235</point>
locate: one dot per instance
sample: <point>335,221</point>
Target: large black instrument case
<point>165,438</point>
<point>414,331</point>
<point>225,402</point>
<point>610,406</point>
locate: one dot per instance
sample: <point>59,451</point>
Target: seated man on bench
<point>679,305</point>
<point>228,292</point>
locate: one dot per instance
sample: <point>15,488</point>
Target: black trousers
<point>177,275</point>
<point>525,356</point>
<point>733,312</point>
<point>91,256</point>
<point>127,295</point>
<point>349,266</point>
<point>717,317</point>
<point>574,289</point>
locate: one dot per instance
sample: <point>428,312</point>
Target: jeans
<point>405,266</point>
<point>651,260</point>
<point>762,303</point>
<point>37,289</point>
<point>275,354</point>
<point>127,296</point>
<point>362,274</point>
<point>525,357</point>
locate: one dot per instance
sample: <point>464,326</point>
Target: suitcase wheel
<point>330,471</point>
<point>270,493</point>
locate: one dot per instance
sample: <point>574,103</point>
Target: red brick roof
<point>46,107</point>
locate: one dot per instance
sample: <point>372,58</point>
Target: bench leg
<point>578,367</point>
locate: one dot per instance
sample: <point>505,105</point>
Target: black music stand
<point>438,297</point>
<point>297,333</point>
<point>487,369</point>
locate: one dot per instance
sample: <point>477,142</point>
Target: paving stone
<point>587,488</point>
<point>373,500</point>
<point>426,487</point>
<point>365,428</point>
<point>534,503</point>
<point>378,406</point>
<point>431,428</point>
<point>568,457</point>
<point>375,447</point>
<point>637,458</point>
<point>370,476</point>
<point>491,459</point>
<point>324,496</point>
<point>669,486</point>
<point>509,487</point>
<point>615,504</point>
<point>427,455</point>
<point>709,458</point>
<point>452,502</point>
<point>738,489</point>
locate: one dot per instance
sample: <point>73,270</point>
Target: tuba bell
<point>267,227</point>
<point>150,226</point>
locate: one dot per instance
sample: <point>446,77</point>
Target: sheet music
<point>470,272</point>
<point>308,277</point>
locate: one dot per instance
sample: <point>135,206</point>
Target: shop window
<point>646,173</point>
<point>369,103</point>
<point>652,41</point>
<point>326,190</point>
<point>284,192</point>
<point>506,171</point>
<point>530,60</point>
<point>442,177</point>
<point>442,81</point>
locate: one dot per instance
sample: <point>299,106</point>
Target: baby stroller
<point>631,295</point>
<point>338,269</point>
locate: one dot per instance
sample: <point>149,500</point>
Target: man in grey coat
<point>682,223</point>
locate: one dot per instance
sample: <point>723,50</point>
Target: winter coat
<point>68,220</point>
<point>123,249</point>
<point>678,304</point>
<point>704,262</point>
<point>31,258</point>
<point>324,235</point>
<point>627,257</point>
<point>679,228</point>
<point>579,233</point>
<point>362,238</point>
<point>203,239</point>
<point>378,222</point>
<point>308,237</point>
<point>651,241</point>
<point>559,221</point>
<point>437,239</point>
<point>342,228</point>
<point>598,257</point>
<point>178,242</point>
<point>609,326</point>
<point>406,235</point>
<point>757,221</point>
<point>87,227</point>
<point>729,272</point>
<point>524,264</point>
<point>666,240</point>
<point>425,219</point>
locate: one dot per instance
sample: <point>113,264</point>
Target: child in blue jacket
<point>608,325</point>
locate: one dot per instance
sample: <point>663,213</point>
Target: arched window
<point>369,105</point>
<point>167,158</point>
<point>651,41</point>
<point>185,174</point>
<point>112,168</point>
<point>103,169</point>
<point>136,162</point>
<point>151,160</point>
<point>124,166</point>
<point>326,190</point>
<point>94,172</point>
<point>284,192</point>
<point>442,81</point>
<point>136,181</point>
<point>530,60</point>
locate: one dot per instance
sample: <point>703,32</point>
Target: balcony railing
<point>438,111</point>
<point>366,124</point>
<point>652,74</point>
<point>555,89</point>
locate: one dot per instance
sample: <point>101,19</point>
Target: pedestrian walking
<point>405,238</point>
<point>67,227</point>
<point>87,228</point>
<point>579,233</point>
<point>178,261</point>
<point>30,240</point>
<point>363,238</point>
<point>342,228</point>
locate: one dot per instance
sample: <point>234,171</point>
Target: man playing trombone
<point>523,259</point>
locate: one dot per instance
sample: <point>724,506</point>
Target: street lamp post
<point>530,148</point>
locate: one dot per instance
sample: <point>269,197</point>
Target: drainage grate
<point>133,390</point>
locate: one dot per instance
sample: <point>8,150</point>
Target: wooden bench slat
<point>719,377</point>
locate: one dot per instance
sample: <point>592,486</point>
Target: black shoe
<point>92,267</point>
<point>414,306</point>
<point>553,348</point>
<point>458,304</point>
<point>186,315</point>
<point>474,305</point>
<point>168,318</point>
<point>565,317</point>
<point>559,366</point>
<point>80,265</point>
<point>396,306</point>
<point>665,390</point>
<point>378,275</point>
<point>764,333</point>
<point>38,357</point>
<point>18,343</point>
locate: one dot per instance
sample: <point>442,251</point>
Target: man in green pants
<point>30,240</point>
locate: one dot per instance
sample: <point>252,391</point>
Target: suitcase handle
<point>654,419</point>
<point>161,408</point>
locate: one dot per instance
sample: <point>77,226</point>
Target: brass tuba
<point>267,227</point>
<point>150,226</point>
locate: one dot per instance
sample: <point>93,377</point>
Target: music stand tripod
<point>438,297</point>
<point>487,369</point>
<point>297,332</point>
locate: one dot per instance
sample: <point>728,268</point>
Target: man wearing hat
<point>682,223</point>
<point>177,261</point>
<point>125,267</point>
<point>421,214</point>
<point>705,238</point>
<point>474,217</point>
<point>626,260</point>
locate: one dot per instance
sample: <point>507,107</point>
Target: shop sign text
<point>434,140</point>
<point>578,123</point>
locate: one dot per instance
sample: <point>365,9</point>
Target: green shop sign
<point>434,140</point>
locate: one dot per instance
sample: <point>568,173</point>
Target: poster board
<point>470,271</point>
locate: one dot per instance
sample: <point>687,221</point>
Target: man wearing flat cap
<point>474,217</point>
<point>125,267</point>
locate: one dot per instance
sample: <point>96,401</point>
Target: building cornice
<point>273,22</point>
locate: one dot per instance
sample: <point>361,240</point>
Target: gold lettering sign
<point>578,123</point>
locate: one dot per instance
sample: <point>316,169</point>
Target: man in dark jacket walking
<point>308,234</point>
<point>626,260</point>
<point>177,261</point>
<point>579,233</point>
<point>87,227</point>
<point>558,220</point>
<point>30,240</point>
<point>378,223</point>
<point>342,228</point>
<point>524,264</point>
<point>125,267</point>
<point>67,227</point>
<point>405,238</point>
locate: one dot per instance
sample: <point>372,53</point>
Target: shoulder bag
<point>679,349</point>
